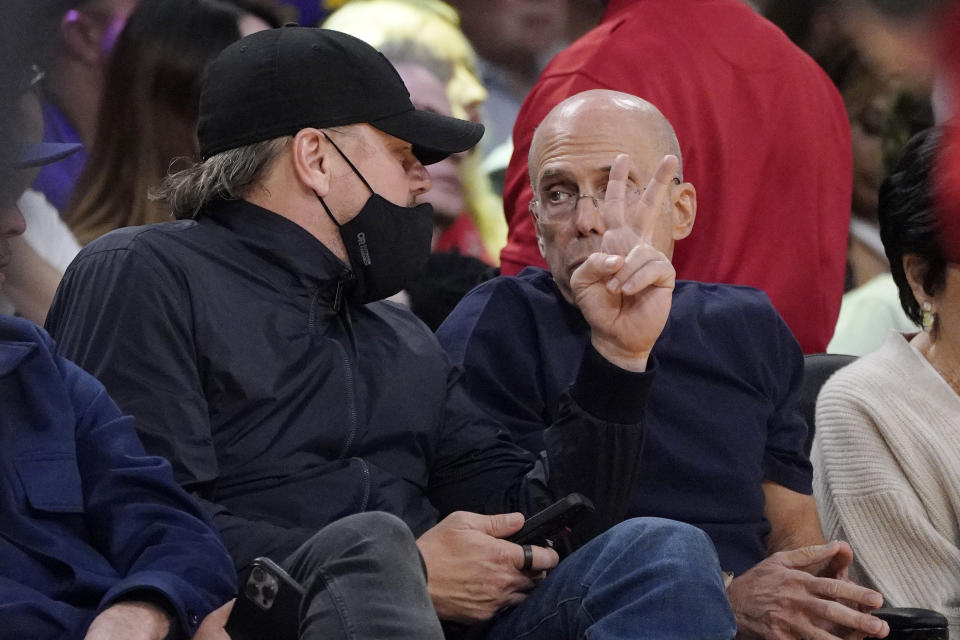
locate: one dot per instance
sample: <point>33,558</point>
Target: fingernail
<point>610,261</point>
<point>876,625</point>
<point>876,600</point>
<point>628,288</point>
<point>612,284</point>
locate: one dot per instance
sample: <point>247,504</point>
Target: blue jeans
<point>644,578</point>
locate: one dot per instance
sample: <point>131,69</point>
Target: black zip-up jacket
<point>284,407</point>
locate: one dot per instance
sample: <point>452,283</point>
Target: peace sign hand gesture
<point>625,290</point>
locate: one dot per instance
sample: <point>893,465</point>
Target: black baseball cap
<point>274,83</point>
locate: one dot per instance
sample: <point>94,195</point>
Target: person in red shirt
<point>764,137</point>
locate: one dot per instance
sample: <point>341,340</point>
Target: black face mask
<point>387,244</point>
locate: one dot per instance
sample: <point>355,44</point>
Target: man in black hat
<point>250,341</point>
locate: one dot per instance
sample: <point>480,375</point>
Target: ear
<point>309,153</point>
<point>536,228</point>
<point>915,268</point>
<point>82,36</point>
<point>684,210</point>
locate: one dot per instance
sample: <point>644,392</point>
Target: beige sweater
<point>887,476</point>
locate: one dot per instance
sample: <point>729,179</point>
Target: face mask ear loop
<point>327,209</point>
<point>347,160</point>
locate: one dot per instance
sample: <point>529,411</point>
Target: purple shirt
<point>58,180</point>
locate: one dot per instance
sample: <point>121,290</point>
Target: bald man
<point>724,441</point>
<point>764,134</point>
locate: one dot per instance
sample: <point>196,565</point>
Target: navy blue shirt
<point>722,412</point>
<point>86,518</point>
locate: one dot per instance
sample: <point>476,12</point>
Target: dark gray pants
<point>364,580</point>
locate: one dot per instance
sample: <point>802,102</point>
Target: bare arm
<point>793,518</point>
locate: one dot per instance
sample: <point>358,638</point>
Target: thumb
<point>839,565</point>
<point>807,556</point>
<point>219,616</point>
<point>501,525</point>
<point>596,267</point>
<point>212,626</point>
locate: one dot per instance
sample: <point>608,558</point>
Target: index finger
<point>614,198</point>
<point>656,191</point>
<point>843,590</point>
<point>836,613</point>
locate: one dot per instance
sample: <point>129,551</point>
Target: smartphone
<point>554,522</point>
<point>268,605</point>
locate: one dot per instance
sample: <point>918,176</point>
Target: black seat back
<point>817,367</point>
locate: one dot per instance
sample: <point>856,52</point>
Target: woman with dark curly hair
<point>886,457</point>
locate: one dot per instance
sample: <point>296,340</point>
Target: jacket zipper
<point>351,394</point>
<point>312,316</point>
<point>315,301</point>
<point>351,401</point>
<point>366,484</point>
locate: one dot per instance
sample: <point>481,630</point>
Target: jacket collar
<point>18,339</point>
<point>277,240</point>
<point>12,354</point>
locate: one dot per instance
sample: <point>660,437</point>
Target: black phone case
<point>268,605</point>
<point>554,521</point>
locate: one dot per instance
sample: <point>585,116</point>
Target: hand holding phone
<point>548,526</point>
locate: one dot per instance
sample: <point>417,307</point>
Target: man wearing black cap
<point>250,342</point>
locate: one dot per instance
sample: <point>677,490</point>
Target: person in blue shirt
<point>96,539</point>
<point>723,448</point>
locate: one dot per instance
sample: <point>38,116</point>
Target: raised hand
<point>471,572</point>
<point>625,290</point>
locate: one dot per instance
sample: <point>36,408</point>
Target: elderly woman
<point>886,454</point>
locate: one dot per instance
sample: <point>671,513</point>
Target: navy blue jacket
<point>285,407</point>
<point>722,413</point>
<point>86,518</point>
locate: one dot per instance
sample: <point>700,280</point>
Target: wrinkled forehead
<point>583,149</point>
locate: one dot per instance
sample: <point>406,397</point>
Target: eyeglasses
<point>560,204</point>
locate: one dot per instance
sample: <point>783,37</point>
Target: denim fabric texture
<point>644,578</point>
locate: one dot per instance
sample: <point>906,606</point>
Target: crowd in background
<point>486,58</point>
<point>872,273</point>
